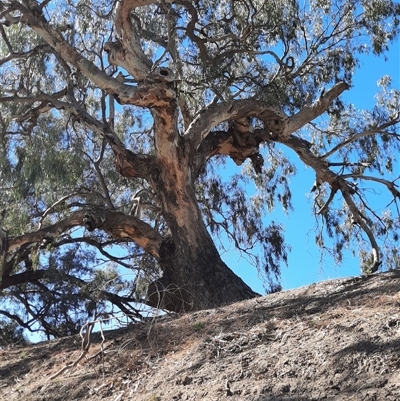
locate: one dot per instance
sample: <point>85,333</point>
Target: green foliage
<point>198,326</point>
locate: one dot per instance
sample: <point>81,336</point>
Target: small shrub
<point>198,326</point>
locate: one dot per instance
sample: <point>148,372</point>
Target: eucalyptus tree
<point>116,117</point>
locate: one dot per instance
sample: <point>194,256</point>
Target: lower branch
<point>376,262</point>
<point>336,182</point>
<point>391,186</point>
<point>114,223</point>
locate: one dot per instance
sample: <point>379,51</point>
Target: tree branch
<point>146,95</point>
<point>391,186</point>
<point>190,28</point>
<point>97,245</point>
<point>55,230</point>
<point>128,163</point>
<point>275,121</point>
<point>337,182</point>
<point>87,192</point>
<point>225,143</point>
<point>100,174</point>
<point>135,61</point>
<point>43,97</point>
<point>357,218</point>
<point>277,126</point>
<point>17,319</point>
<point>309,113</point>
<point>327,203</point>
<point>378,130</point>
<point>21,278</point>
<point>114,223</point>
<point>122,302</point>
<point>35,315</point>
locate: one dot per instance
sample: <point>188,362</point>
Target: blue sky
<point>305,265</point>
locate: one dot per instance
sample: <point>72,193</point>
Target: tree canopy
<point>115,120</point>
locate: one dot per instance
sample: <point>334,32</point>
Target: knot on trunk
<point>114,51</point>
<point>275,123</point>
<point>46,241</point>
<point>244,143</point>
<point>92,221</point>
<point>88,222</point>
<point>163,74</point>
<point>123,164</point>
<point>167,248</point>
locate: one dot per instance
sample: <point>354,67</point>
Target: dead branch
<point>86,342</point>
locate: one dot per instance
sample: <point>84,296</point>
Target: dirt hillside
<point>337,340</point>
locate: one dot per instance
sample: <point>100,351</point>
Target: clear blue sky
<point>305,265</point>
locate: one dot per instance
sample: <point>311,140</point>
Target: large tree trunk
<point>194,276</point>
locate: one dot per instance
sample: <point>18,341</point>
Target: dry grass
<point>335,340</point>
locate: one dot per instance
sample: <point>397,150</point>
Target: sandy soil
<point>337,340</point>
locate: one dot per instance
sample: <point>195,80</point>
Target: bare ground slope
<point>337,340</point>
